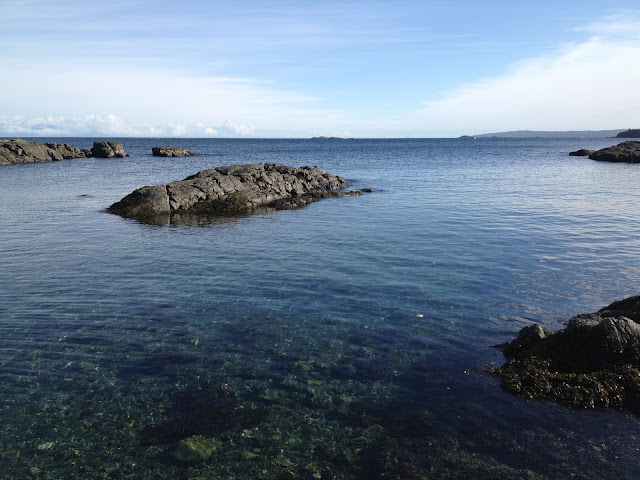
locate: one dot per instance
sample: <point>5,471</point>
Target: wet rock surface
<point>593,362</point>
<point>628,152</point>
<point>169,151</point>
<point>228,191</point>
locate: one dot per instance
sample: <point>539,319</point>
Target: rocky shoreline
<point>593,362</point>
<point>626,152</point>
<point>18,151</point>
<point>231,190</point>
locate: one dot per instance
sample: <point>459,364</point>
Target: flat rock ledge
<point>18,151</point>
<point>593,362</point>
<point>628,152</point>
<point>170,151</point>
<point>229,191</point>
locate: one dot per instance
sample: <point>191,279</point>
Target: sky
<point>297,69</point>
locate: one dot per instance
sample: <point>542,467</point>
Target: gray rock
<point>22,151</point>
<point>228,191</point>
<point>170,151</point>
<point>628,152</point>
<point>108,150</point>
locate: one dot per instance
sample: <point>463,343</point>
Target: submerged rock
<point>628,152</point>
<point>170,151</point>
<point>196,448</point>
<point>231,190</point>
<point>593,362</point>
<point>22,151</point>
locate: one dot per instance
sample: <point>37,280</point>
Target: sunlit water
<point>346,339</point>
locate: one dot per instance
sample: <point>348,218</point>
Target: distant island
<point>327,138</point>
<point>550,134</point>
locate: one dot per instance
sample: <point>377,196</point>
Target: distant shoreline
<point>505,134</point>
<point>551,134</point>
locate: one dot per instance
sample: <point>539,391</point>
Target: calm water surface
<point>348,339</point>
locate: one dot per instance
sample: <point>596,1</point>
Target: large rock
<point>631,133</point>
<point>593,362</point>
<point>108,150</point>
<point>230,191</point>
<point>170,151</point>
<point>22,151</point>
<point>628,152</point>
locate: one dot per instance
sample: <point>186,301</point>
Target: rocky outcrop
<point>108,150</point>
<point>628,152</point>
<point>22,151</point>
<point>170,151</point>
<point>631,133</point>
<point>232,190</point>
<point>583,152</point>
<point>593,362</point>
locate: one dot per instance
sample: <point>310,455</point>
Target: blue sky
<point>299,69</point>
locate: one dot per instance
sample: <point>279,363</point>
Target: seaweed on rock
<point>593,362</point>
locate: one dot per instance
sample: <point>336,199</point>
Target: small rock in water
<point>170,151</point>
<point>583,152</point>
<point>108,150</point>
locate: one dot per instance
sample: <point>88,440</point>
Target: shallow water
<point>346,339</point>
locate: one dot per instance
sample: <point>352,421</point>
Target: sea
<point>349,339</point>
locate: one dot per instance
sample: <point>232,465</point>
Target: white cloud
<point>88,125</point>
<point>111,126</point>
<point>591,85</point>
<point>620,26</point>
<point>227,129</point>
<point>150,101</point>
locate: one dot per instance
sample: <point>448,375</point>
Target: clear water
<point>348,339</point>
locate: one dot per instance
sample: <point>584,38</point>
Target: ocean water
<point>348,339</point>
